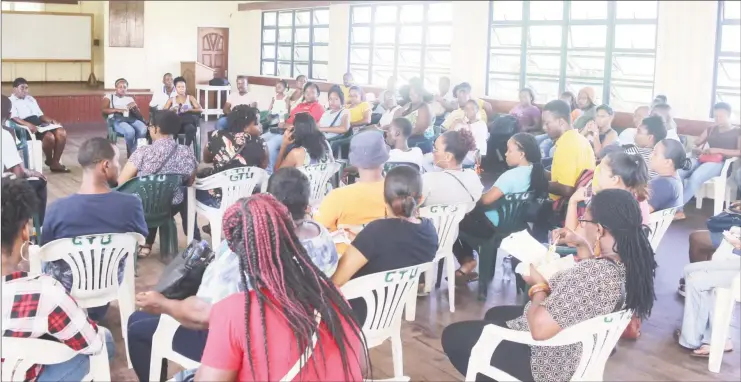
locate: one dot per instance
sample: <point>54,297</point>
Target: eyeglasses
<point>583,221</point>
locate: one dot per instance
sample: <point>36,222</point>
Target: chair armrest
<point>20,128</point>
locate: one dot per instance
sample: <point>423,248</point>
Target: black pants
<point>181,209</point>
<point>459,338</point>
<point>189,129</point>
<point>39,188</point>
<point>141,328</point>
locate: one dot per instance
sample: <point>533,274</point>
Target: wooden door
<point>213,49</point>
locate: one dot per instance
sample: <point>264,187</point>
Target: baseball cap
<point>368,150</point>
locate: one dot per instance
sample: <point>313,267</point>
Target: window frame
<point>720,55</point>
<point>293,45</point>
<point>424,46</point>
<point>565,23</point>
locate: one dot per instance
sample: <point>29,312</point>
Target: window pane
<point>585,64</point>
<point>505,88</point>
<point>321,17</point>
<point>639,68</point>
<point>385,35</point>
<point>410,35</point>
<point>543,63</point>
<point>284,53</point>
<point>575,85</point>
<point>546,36</point>
<point>440,12</point>
<point>299,69</point>
<point>381,76</point>
<point>386,14</point>
<point>285,19</point>
<point>319,71</point>
<point>729,74</point>
<point>321,53</point>
<point>627,98</point>
<point>268,52</point>
<point>321,35</point>
<point>545,90</point>
<point>359,55</point>
<point>383,57</point>
<point>637,9</point>
<point>303,18</point>
<point>302,36</point>
<point>406,75</point>
<point>269,18</point>
<point>507,10</point>
<point>439,35</point>
<point>361,15</point>
<point>301,54</point>
<point>506,37</point>
<point>284,35</point>
<point>437,59</point>
<point>588,10</point>
<point>28,7</point>
<point>268,69</point>
<point>509,63</point>
<point>360,75</point>
<point>360,35</point>
<point>268,36</point>
<point>412,13</point>
<point>284,69</point>
<point>410,58</point>
<point>546,10</point>
<point>587,36</point>
<point>732,10</point>
<point>635,37</point>
<point>731,38</point>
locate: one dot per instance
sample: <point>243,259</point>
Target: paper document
<point>529,251</point>
<point>45,128</point>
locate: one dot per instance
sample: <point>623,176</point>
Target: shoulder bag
<point>182,277</point>
<point>476,222</point>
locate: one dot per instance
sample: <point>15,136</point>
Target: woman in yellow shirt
<point>360,111</point>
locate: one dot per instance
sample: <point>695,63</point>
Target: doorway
<point>213,49</point>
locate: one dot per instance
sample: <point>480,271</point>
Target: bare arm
<point>168,104</point>
<point>196,106</point>
<point>107,109</point>
<point>350,263</point>
<point>609,139</point>
<point>192,313</point>
<point>541,323</point>
<point>128,172</point>
<point>423,120</point>
<point>491,196</point>
<point>227,108</point>
<point>702,139</point>
<point>289,160</point>
<point>560,189</point>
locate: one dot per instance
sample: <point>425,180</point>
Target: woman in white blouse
<point>470,121</point>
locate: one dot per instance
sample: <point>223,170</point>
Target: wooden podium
<point>195,73</point>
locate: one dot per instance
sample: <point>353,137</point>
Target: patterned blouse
<point>589,289</point>
<point>148,159</point>
<point>232,150</point>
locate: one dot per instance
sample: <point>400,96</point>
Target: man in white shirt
<point>240,97</point>
<point>26,111</point>
<point>160,98</point>
<point>397,135</point>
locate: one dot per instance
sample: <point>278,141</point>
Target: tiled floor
<point>655,356</point>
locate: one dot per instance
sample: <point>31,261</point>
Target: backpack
<point>560,205</point>
<point>218,82</point>
<point>501,129</point>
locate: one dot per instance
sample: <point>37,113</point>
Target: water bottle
<point>507,267</point>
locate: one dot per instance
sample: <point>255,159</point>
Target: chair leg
<point>396,353</point>
<point>410,309</point>
<point>450,267</point>
<point>168,238</point>
<point>487,257</point>
<point>719,194</point>
<point>428,279</point>
<point>126,307</point>
<point>724,304</point>
<point>215,233</point>
<point>191,223</point>
<point>699,196</point>
<point>440,264</point>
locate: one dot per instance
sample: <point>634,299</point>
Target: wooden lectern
<point>195,73</point>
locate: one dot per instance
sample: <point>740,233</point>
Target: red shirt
<point>314,108</point>
<point>226,345</point>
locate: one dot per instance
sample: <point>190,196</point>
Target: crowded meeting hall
<point>383,190</point>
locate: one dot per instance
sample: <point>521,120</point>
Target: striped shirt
<point>645,153</point>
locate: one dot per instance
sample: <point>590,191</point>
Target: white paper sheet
<point>43,129</point>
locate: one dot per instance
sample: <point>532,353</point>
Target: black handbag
<point>724,221</point>
<point>182,277</point>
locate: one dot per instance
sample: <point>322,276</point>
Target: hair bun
<point>404,206</point>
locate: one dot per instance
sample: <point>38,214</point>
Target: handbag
<point>710,158</point>
<point>182,277</point>
<point>723,221</point>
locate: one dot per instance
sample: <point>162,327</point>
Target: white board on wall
<point>47,36</point>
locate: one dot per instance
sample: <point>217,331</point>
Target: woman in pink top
<point>527,114</point>
<point>262,334</point>
<point>617,170</point>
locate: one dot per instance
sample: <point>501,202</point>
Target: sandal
<point>704,350</point>
<point>463,278</point>
<point>206,229</point>
<point>144,251</point>
<point>680,290</point>
<point>62,169</point>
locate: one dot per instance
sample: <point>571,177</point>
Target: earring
<point>25,243</point>
<point>597,249</point>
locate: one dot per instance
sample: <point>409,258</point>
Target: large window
<point>295,42</point>
<point>400,39</point>
<point>554,46</point>
<point>728,56</point>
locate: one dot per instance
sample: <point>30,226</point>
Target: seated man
<point>342,206</point>
<point>160,98</point>
<point>397,136</point>
<point>650,132</point>
<point>240,97</point>
<point>94,209</point>
<point>26,112</point>
<point>13,165</point>
<point>573,153</point>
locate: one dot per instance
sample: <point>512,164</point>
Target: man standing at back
<point>573,153</point>
<point>94,209</point>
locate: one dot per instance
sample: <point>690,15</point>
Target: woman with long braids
<point>615,270</point>
<point>259,335</point>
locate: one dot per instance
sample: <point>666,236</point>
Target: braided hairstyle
<point>618,212</point>
<point>259,229</point>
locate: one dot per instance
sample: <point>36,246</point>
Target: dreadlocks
<point>618,212</point>
<point>273,262</point>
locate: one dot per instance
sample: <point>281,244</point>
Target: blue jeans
<point>547,148</point>
<point>76,368</point>
<point>131,131</point>
<point>697,175</point>
<point>221,123</point>
<point>206,198</point>
<point>273,142</point>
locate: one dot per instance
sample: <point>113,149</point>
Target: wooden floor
<point>655,356</point>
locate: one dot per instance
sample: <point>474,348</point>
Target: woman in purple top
<point>527,114</point>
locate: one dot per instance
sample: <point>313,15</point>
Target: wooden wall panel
<point>126,26</point>
<point>83,108</point>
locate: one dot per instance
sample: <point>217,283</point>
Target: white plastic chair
<point>96,285</point>
<point>446,219</point>
<point>20,354</point>
<point>386,294</point>
<point>235,184</point>
<point>162,348</point>
<point>319,177</point>
<point>725,299</point>
<point>598,337</point>
<point>659,222</point>
<point>718,188</point>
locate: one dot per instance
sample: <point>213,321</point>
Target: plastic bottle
<point>507,267</point>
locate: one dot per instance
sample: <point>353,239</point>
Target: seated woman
<point>188,108</point>
<point>600,132</point>
<point>462,92</point>
<point>702,278</point>
<point>336,120</point>
<point>614,254</point>
<point>279,104</point>
<point>618,170</point>
<point>360,111</point>
<point>296,96</point>
<point>667,158</point>
<point>55,316</point>
<point>401,240</point>
<point>723,141</point>
<point>163,156</point>
<point>310,146</point>
<point>587,106</point>
<point>471,121</point>
<point>526,174</point>
<point>397,135</point>
<point>287,302</point>
<point>527,114</point>
<point>120,108</point>
<point>418,111</point>
<point>239,145</point>
<point>390,106</point>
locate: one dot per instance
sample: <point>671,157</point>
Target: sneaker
<point>680,290</point>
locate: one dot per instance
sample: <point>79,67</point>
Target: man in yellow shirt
<point>362,202</point>
<point>573,153</point>
<point>347,82</point>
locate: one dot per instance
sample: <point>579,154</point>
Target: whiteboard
<point>47,36</point>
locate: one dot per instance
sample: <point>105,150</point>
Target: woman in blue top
<point>666,188</point>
